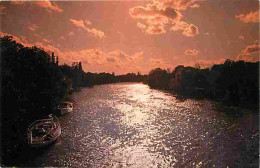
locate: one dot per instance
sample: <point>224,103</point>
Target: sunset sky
<point>130,36</point>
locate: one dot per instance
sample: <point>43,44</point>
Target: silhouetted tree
<point>234,82</point>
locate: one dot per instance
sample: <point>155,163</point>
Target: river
<point>131,125</point>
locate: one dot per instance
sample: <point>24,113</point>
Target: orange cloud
<point>162,12</point>
<point>250,17</point>
<point>252,49</point>
<point>191,52</point>
<point>176,4</point>
<point>17,2</point>
<point>92,31</point>
<point>154,10</point>
<point>141,26</point>
<point>47,48</point>
<point>96,33</point>
<point>189,30</point>
<point>155,16</point>
<point>22,41</point>
<point>97,60</point>
<point>78,23</point>
<point>46,40</point>
<point>94,60</point>
<point>87,22</point>
<point>250,53</point>
<point>16,38</point>
<point>155,29</point>
<point>141,12</point>
<point>33,27</point>
<point>195,6</point>
<point>50,6</point>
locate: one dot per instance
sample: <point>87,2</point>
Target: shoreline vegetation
<point>33,84</point>
<point>233,85</point>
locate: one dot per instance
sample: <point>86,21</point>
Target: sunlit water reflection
<point>131,125</point>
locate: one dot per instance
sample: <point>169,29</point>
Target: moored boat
<point>43,132</point>
<point>65,107</point>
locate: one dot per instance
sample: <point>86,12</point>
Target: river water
<point>131,125</point>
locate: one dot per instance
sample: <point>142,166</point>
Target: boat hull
<point>65,111</point>
<point>43,132</point>
<point>46,143</point>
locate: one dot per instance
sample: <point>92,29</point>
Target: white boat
<point>43,132</point>
<point>65,107</point>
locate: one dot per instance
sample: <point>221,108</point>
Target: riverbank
<point>233,84</point>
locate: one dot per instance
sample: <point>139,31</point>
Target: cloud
<point>250,53</point>
<point>191,52</point>
<point>50,6</point>
<point>46,4</point>
<point>92,31</point>
<point>46,40</point>
<point>176,4</point>
<point>17,2</point>
<point>48,48</point>
<point>195,6</point>
<point>141,12</point>
<point>160,13</point>
<point>87,22</point>
<point>250,17</point>
<point>141,26</point>
<point>62,37</point>
<point>155,29</point>
<point>154,10</point>
<point>33,27</point>
<point>155,16</point>
<point>189,30</point>
<point>171,14</point>
<point>96,33</point>
<point>242,37</point>
<point>95,59</point>
<point>252,49</point>
<point>16,38</point>
<point>78,23</point>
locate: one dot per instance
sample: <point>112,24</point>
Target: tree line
<point>233,82</point>
<point>32,85</point>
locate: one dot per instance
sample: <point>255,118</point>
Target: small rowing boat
<point>65,107</point>
<point>43,132</point>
